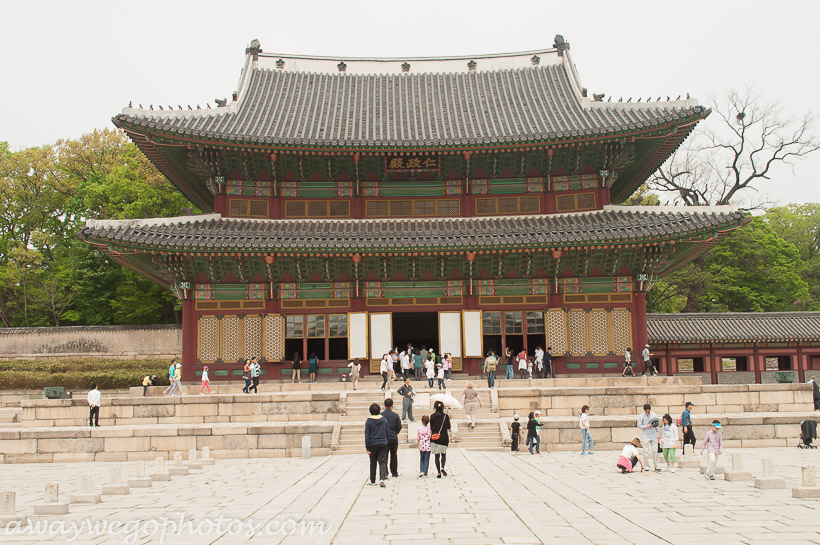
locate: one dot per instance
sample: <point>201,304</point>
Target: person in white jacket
<point>669,438</point>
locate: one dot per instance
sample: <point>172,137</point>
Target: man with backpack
<point>686,423</point>
<point>490,364</point>
<point>647,362</point>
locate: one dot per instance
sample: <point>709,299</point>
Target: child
<point>586,438</point>
<point>206,382</point>
<point>424,445</point>
<point>529,367</point>
<point>629,456</point>
<point>714,442</point>
<point>669,438</point>
<point>515,434</point>
<point>440,376</point>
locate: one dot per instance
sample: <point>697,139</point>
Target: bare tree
<point>725,161</point>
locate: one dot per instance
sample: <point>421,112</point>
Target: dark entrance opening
<point>416,328</point>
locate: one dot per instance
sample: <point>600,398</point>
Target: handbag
<point>437,436</point>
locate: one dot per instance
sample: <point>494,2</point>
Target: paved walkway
<point>488,498</point>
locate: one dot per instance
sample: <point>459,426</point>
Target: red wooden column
<point>639,331</point>
<point>801,365</point>
<point>189,338</point>
<point>712,364</point>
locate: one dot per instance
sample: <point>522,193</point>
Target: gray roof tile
<point>734,327</point>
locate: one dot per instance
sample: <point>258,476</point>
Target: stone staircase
<point>485,436</point>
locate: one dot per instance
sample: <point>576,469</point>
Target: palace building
<point>462,203</point>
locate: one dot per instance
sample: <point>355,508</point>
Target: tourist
<point>430,373</point>
<point>407,395</point>
<point>471,403</point>
<point>549,372</point>
<point>629,457</point>
<point>384,369</point>
<point>178,378</point>
<point>586,439</point>
<point>246,375</point>
<point>355,370</point>
<point>393,430</point>
<point>669,440</point>
<point>146,382</point>
<point>539,361</point>
<point>424,434</point>
<point>392,359</point>
<point>172,383</point>
<point>522,364</point>
<point>155,381</point>
<point>490,365</point>
<point>510,372</point>
<point>313,366</point>
<point>418,364</point>
<point>515,434</point>
<point>532,435</point>
<point>686,423</point>
<point>815,393</point>
<point>713,442</point>
<point>628,372</point>
<point>440,376</point>
<point>394,354</point>
<point>648,423</point>
<point>647,362</point>
<point>425,355</point>
<point>296,374</point>
<point>206,382</point>
<point>375,443</point>
<point>440,439</point>
<point>406,365</point>
<point>256,371</point>
<point>94,397</point>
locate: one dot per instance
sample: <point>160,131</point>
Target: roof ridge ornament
<point>560,44</point>
<point>255,49</point>
<point>535,60</point>
<point>405,67</point>
<point>341,66</point>
<point>471,66</point>
<point>280,64</point>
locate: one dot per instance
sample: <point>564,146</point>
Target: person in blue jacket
<point>375,443</point>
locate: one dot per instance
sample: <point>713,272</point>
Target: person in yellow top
<point>146,382</point>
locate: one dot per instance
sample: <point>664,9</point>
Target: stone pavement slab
<point>487,498</point>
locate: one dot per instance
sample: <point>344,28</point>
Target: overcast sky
<point>67,67</point>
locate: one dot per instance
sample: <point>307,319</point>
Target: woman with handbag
<point>440,439</point>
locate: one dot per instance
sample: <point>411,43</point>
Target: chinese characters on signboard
<point>413,162</point>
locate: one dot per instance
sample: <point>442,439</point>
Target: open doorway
<point>416,328</point>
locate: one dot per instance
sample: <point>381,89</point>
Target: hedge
<point>77,374</point>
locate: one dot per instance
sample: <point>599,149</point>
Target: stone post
<point>737,473</point>
<point>141,480</point>
<point>86,495</point>
<point>115,487</point>
<point>192,462</point>
<point>206,457</point>
<point>306,446</point>
<point>689,460</point>
<point>768,481</point>
<point>178,468</point>
<point>8,510</point>
<point>51,505</point>
<point>809,488</point>
<point>159,473</point>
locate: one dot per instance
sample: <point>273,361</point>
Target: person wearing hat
<point>629,456</point>
<point>515,434</point>
<point>713,442</point>
<point>648,423</point>
<point>206,382</point>
<point>647,361</point>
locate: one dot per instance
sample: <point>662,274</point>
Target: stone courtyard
<point>488,498</point>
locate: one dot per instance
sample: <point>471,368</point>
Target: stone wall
<point>147,442</point>
<point>133,342</point>
<point>119,411</point>
<point>629,400</point>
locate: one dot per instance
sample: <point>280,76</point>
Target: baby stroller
<point>808,433</point>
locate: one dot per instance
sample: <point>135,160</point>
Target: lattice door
<point>208,344</point>
<point>274,337</point>
<point>557,330</point>
<point>599,331</point>
<point>252,335</point>
<point>577,327</point>
<point>621,331</point>
<point>231,338</point>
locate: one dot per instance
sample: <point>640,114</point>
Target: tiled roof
<point>734,327</point>
<point>613,224</point>
<point>505,103</point>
